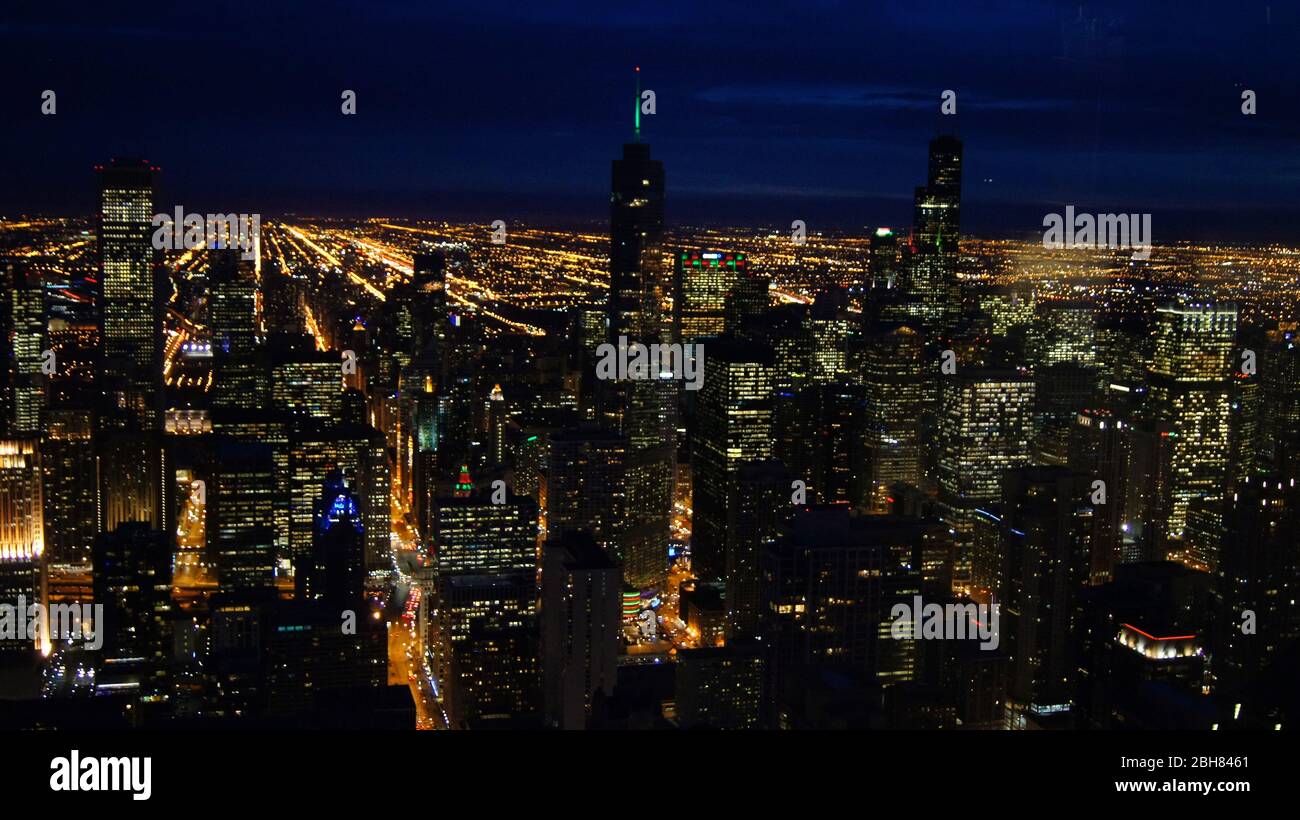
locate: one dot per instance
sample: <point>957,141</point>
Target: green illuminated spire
<point>636,105</point>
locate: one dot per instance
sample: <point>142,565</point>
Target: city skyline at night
<point>912,371</point>
<point>1133,110</point>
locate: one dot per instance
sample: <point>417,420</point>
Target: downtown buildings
<point>557,536</point>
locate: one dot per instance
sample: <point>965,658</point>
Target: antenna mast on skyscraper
<point>636,106</point>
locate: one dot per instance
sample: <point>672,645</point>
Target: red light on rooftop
<point>1154,638</point>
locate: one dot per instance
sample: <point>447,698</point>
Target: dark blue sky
<point>767,112</point>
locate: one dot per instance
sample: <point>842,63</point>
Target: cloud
<point>878,97</point>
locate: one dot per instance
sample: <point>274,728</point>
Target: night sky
<point>767,112</point>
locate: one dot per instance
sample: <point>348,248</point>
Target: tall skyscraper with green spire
<point>936,225</point>
<point>644,410</point>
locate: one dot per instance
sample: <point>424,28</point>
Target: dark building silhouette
<point>581,621</point>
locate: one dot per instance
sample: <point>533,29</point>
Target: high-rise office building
<point>315,451</point>
<point>1045,530</point>
<point>1060,391</point>
<point>313,653</point>
<point>1280,407</point>
<point>638,279</point>
<point>764,496</point>
<point>701,282</point>
<point>828,329</point>
<point>335,571</point>
<point>586,480</point>
<point>131,461</point>
<point>68,461</point>
<point>1100,443</point>
<point>894,375</point>
<point>425,303</point>
<point>131,471</point>
<point>239,377</point>
<point>477,537</point>
<point>130,372</point>
<point>750,296</point>
<point>306,381</point>
<point>1189,381</point>
<point>484,638</point>
<point>581,620</point>
<point>1063,332</point>
<point>22,534</point>
<point>883,265</point>
<point>734,418</point>
<point>932,264</point>
<point>1009,307</point>
<point>817,433</point>
<point>27,324</point>
<point>496,415</point>
<point>985,428</point>
<point>644,410</point>
<point>1140,646</point>
<point>830,584</point>
<point>720,688</point>
<point>242,500</point>
<point>1257,575</point>
<point>133,581</point>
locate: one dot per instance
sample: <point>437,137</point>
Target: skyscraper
<point>239,380</point>
<point>131,461</point>
<point>306,381</point>
<point>68,461</point>
<point>1046,526</point>
<point>133,581</point>
<point>1257,577</point>
<point>326,640</point>
<point>580,625</point>
<point>317,449</point>
<point>28,327</point>
<point>883,265</point>
<point>485,643</point>
<point>936,224</point>
<point>764,492</point>
<point>475,536</point>
<point>644,410</point>
<point>985,427</point>
<point>130,371</point>
<point>701,282</point>
<point>131,475</point>
<point>242,498</point>
<point>720,688</point>
<point>734,418</point>
<point>22,531</point>
<point>638,280</point>
<point>830,583</point>
<point>586,479</point>
<point>426,302</point>
<point>893,372</point>
<point>1190,392</point>
<point>748,298</point>
<point>335,572</point>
